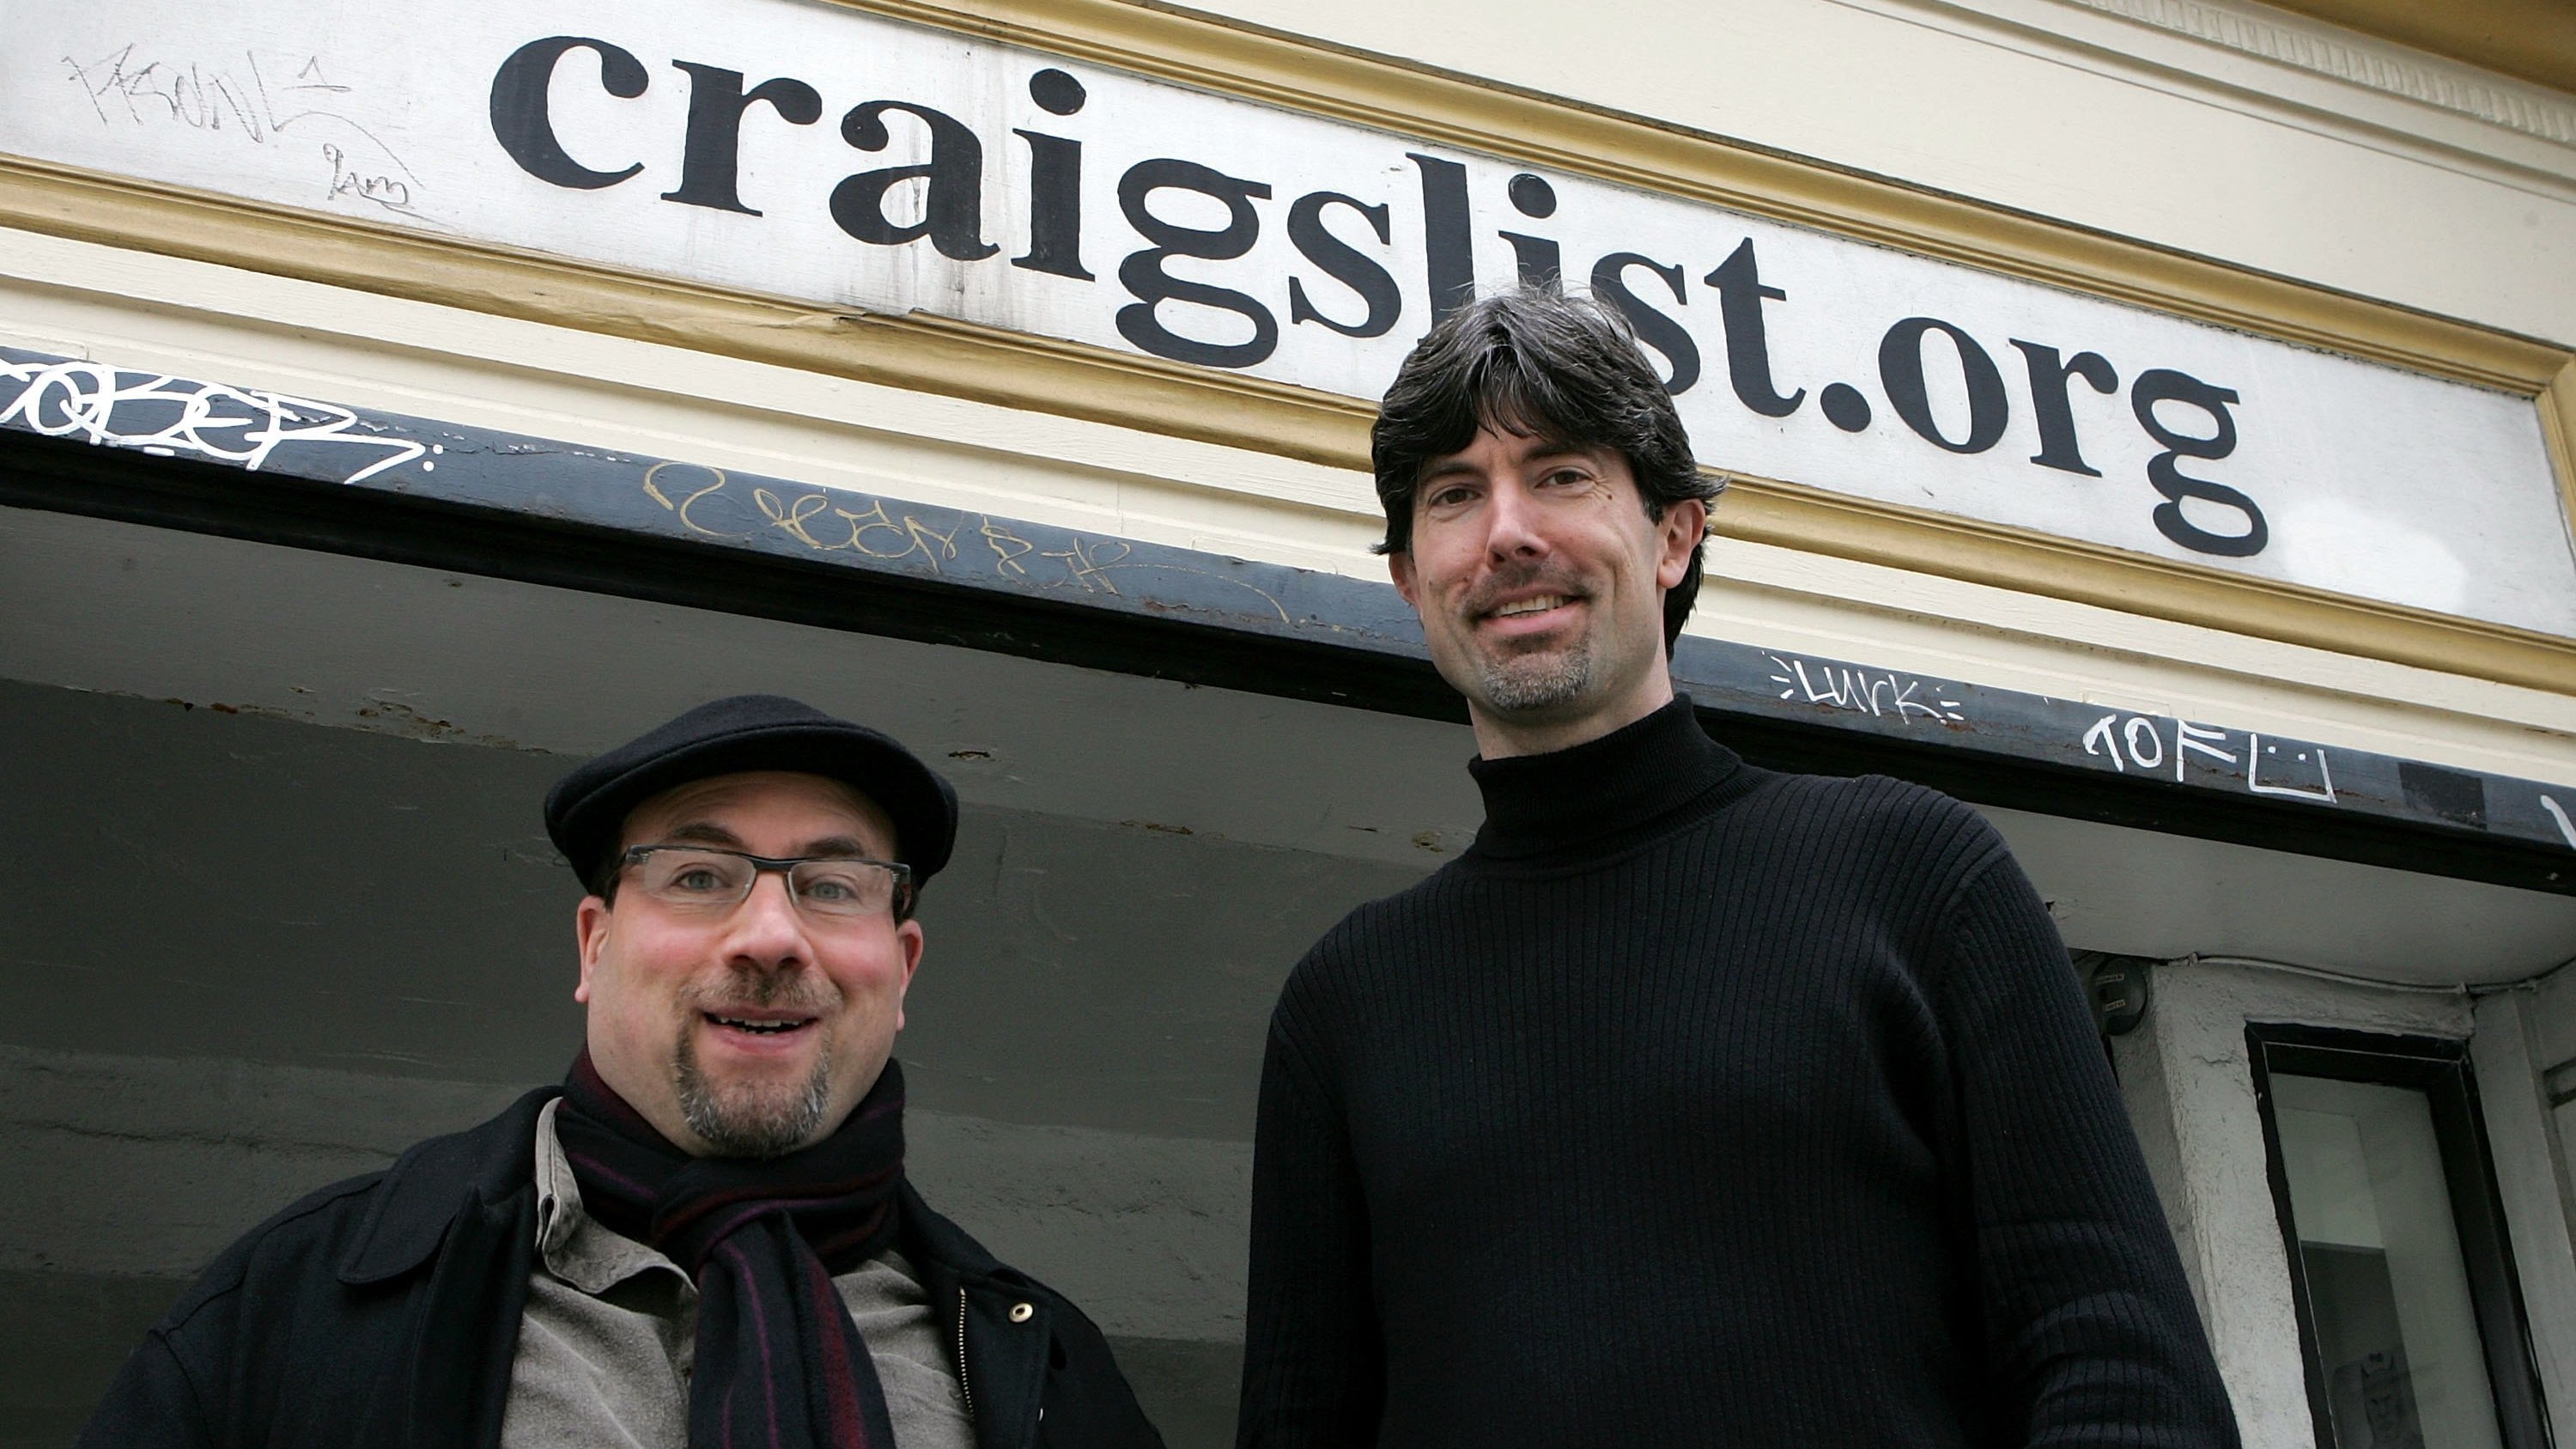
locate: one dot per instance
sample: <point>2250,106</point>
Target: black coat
<point>354,1320</point>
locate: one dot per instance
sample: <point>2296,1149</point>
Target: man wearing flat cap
<point>704,1238</point>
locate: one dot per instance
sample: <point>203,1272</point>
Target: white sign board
<point>800,149</point>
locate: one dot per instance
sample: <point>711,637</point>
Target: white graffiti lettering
<point>168,416</point>
<point>2288,770</point>
<point>2261,759</point>
<point>2558,817</point>
<point>1880,693</point>
<point>2200,740</point>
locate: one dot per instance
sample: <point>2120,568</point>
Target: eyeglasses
<point>701,880</point>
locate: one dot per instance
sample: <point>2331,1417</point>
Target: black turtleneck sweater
<point>1700,1104</point>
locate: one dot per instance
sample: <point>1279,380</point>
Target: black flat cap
<point>587,808</point>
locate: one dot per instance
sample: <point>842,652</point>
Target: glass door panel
<point>2397,1330</point>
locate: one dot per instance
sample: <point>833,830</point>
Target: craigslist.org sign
<point>804,150</point>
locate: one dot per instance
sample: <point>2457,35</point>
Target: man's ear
<point>1682,527</point>
<point>590,934</point>
<point>907,938</point>
<point>1399,567</point>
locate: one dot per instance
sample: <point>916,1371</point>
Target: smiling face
<point>755,1031</point>
<point>1540,582</point>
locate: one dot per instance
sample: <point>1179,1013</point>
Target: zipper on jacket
<point>964,1390</point>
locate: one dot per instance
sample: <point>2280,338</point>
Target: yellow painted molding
<point>967,360</point>
<point>2557,404</point>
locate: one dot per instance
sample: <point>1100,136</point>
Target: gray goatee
<point>751,1121</point>
<point>1521,683</point>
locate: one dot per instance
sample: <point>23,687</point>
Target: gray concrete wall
<point>261,955</point>
<point>2190,1089</point>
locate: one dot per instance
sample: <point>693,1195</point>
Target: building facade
<point>2152,421</point>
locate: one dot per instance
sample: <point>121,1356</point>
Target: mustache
<point>767,990</point>
<point>1489,593</point>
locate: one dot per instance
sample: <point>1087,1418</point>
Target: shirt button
<point>1022,1312</point>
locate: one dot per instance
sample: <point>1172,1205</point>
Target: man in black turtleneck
<point>1693,1103</point>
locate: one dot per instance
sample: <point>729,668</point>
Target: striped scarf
<point>779,1363</point>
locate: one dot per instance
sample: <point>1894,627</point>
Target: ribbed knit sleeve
<point>1313,1370</point>
<point>2091,1337</point>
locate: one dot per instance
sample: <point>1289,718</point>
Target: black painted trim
<point>91,439</point>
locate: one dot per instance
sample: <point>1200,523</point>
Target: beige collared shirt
<point>611,1327</point>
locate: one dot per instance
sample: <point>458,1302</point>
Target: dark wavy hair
<point>1535,363</point>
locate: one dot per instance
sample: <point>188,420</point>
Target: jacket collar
<point>427,1187</point>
